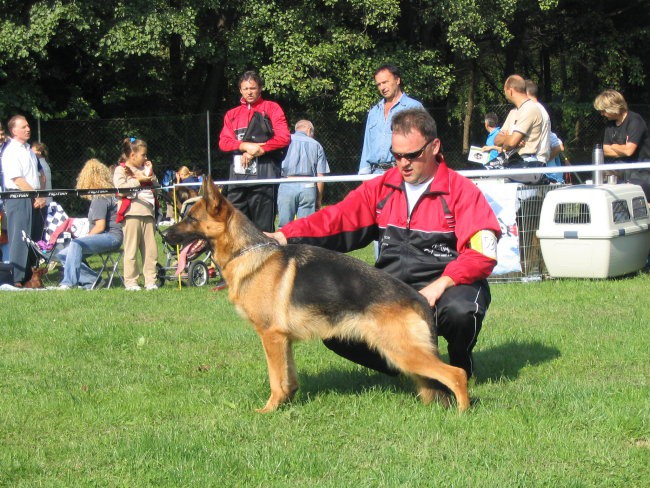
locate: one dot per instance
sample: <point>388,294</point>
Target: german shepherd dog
<point>299,292</point>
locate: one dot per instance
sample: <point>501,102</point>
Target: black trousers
<point>257,202</point>
<point>458,317</point>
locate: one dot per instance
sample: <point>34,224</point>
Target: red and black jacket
<point>433,241</point>
<point>235,123</point>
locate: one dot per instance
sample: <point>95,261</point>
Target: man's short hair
<point>305,125</point>
<point>418,119</point>
<point>13,121</point>
<point>491,119</point>
<point>531,88</point>
<point>251,75</point>
<point>394,70</point>
<point>516,82</point>
<point>611,102</point>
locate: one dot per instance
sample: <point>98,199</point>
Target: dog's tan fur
<point>262,277</point>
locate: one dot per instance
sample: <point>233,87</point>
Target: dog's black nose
<point>166,235</point>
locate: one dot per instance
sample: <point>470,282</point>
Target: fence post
<point>207,124</point>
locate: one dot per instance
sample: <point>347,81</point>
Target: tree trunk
<point>469,107</point>
<point>546,74</point>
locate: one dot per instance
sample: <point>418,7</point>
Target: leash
<point>246,250</point>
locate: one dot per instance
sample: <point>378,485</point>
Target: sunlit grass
<point>113,388</point>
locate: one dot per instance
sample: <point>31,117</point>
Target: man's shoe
<point>133,288</point>
<point>63,287</point>
<point>151,287</point>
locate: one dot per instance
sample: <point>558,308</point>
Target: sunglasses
<point>411,155</point>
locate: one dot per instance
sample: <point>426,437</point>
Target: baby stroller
<point>198,268</point>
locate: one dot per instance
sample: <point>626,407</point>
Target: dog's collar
<point>249,249</point>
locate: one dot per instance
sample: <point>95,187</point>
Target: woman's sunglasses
<point>412,155</point>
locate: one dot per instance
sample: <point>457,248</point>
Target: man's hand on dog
<point>434,290</point>
<point>278,236</point>
<point>431,292</point>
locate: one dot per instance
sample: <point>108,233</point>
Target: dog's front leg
<point>283,378</point>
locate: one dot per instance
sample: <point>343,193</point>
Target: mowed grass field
<point>115,388</point>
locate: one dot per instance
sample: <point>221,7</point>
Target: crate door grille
<point>620,211</point>
<point>572,213</point>
<point>639,208</point>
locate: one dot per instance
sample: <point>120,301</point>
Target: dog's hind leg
<point>425,363</point>
<point>283,378</point>
<point>430,390</point>
<point>405,340</point>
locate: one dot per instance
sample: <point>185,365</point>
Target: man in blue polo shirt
<point>375,155</point>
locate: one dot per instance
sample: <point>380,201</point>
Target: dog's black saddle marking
<point>337,284</point>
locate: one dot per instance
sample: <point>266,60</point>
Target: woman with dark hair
<point>138,210</point>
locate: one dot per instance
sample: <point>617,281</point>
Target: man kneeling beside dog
<point>437,234</point>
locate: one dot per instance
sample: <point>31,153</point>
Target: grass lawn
<point>115,388</point>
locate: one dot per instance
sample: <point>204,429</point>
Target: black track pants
<point>257,202</point>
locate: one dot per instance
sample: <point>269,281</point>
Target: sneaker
<point>133,288</point>
<point>63,287</point>
<point>151,287</point>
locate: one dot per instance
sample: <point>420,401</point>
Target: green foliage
<point>74,58</point>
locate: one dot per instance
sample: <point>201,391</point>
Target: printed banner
<point>503,200</point>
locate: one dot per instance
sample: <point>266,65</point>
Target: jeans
<point>296,199</point>
<point>75,271</point>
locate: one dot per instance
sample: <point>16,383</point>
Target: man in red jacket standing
<point>436,232</point>
<point>254,133</point>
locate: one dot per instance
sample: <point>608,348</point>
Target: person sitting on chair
<point>105,233</point>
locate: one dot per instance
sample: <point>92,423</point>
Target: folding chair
<point>109,269</point>
<point>43,256</point>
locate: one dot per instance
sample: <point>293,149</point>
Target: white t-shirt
<point>414,192</point>
<point>18,160</point>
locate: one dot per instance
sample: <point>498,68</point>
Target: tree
<point>81,58</point>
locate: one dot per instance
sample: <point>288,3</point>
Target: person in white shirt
<point>20,172</point>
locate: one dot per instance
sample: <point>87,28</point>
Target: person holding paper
<point>254,133</point>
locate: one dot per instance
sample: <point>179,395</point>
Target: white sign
<point>502,197</point>
<point>478,156</point>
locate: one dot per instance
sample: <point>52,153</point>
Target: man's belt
<point>383,165</point>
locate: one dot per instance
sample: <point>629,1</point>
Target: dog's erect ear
<point>211,195</point>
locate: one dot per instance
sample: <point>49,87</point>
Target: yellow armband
<point>485,242</point>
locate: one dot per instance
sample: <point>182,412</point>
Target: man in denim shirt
<point>375,155</point>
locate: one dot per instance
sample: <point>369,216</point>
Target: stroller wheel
<point>197,273</point>
<point>160,275</point>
